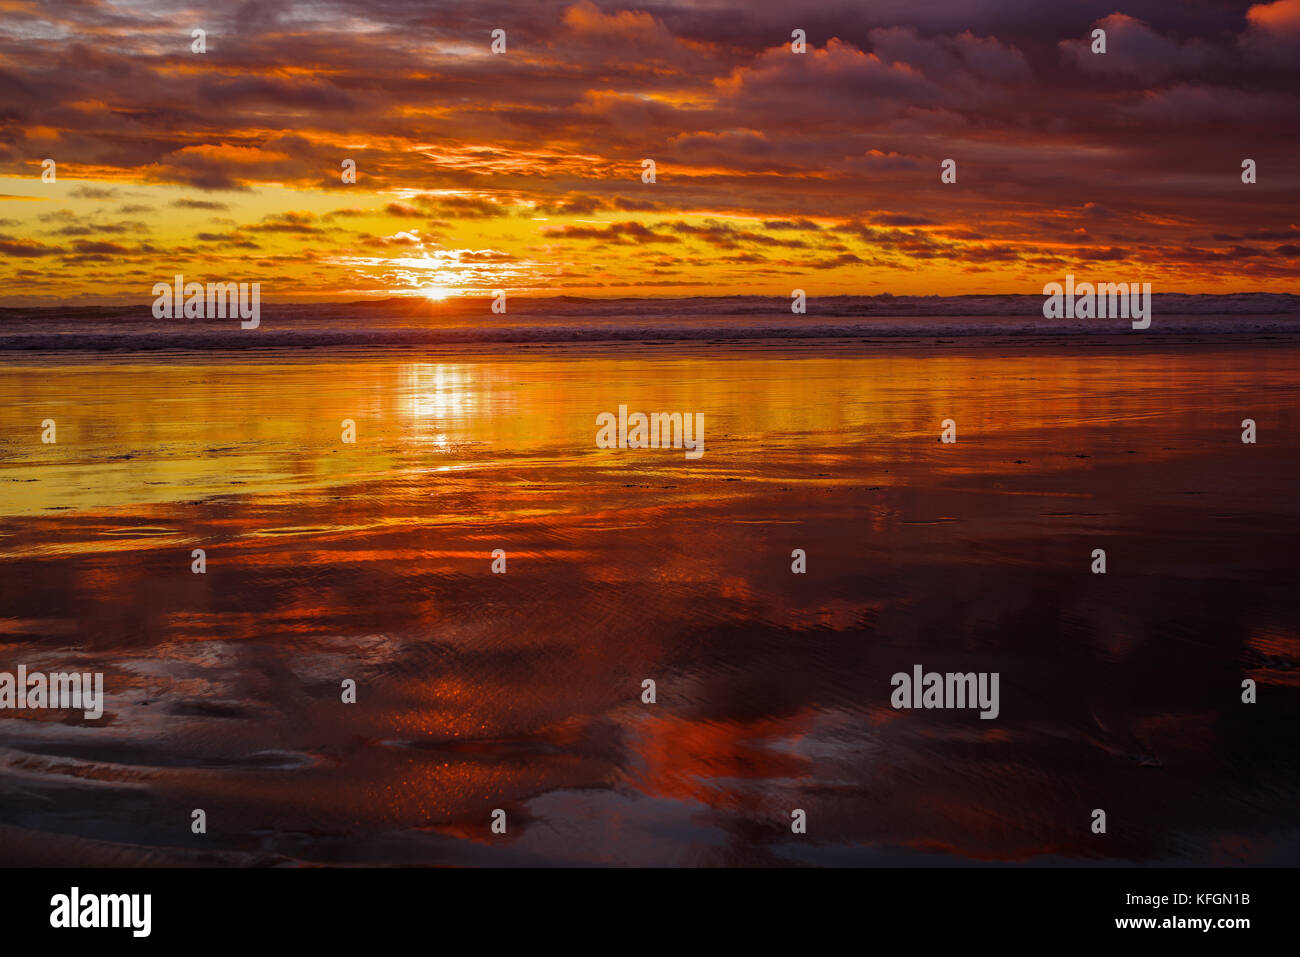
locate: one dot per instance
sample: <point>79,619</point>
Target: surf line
<point>1109,300</point>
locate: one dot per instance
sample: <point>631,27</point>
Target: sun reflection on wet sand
<point>522,691</point>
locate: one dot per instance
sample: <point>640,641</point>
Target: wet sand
<point>522,691</point>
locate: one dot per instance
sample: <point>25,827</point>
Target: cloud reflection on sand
<point>521,691</point>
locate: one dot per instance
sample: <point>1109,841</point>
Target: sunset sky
<point>522,171</point>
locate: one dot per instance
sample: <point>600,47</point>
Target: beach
<point>523,691</point>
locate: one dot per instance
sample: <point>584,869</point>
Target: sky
<point>522,170</point>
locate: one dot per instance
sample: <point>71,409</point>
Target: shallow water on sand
<point>522,691</point>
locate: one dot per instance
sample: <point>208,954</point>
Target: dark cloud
<point>618,233</point>
<point>302,223</point>
<point>25,250</point>
<point>92,192</point>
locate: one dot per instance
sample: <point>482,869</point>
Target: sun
<point>436,293</point>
